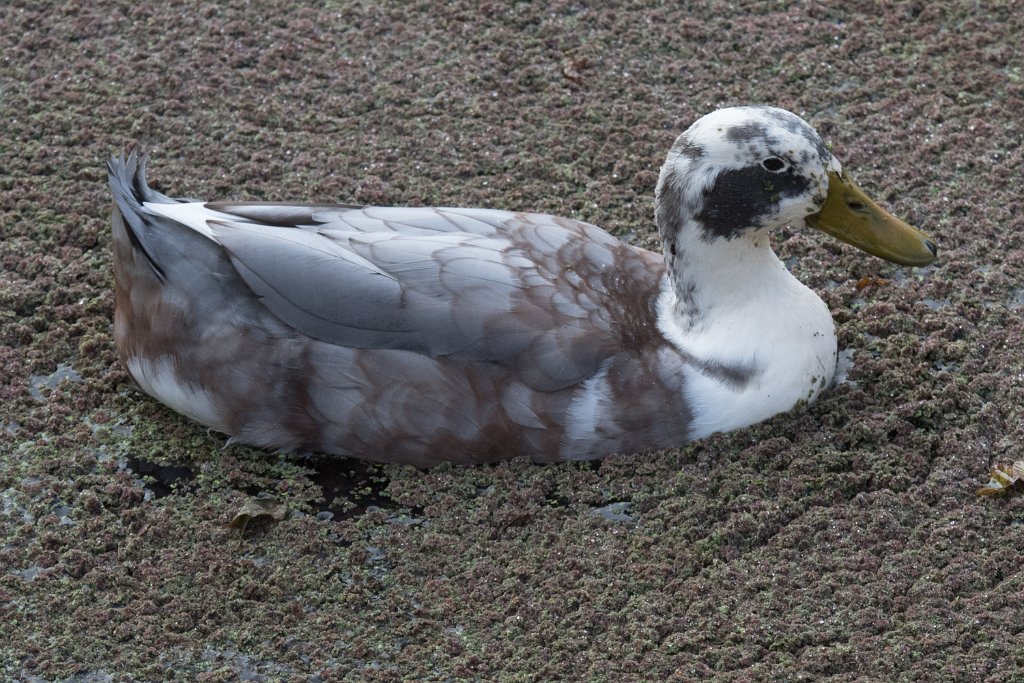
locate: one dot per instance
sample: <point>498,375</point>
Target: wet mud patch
<point>349,488</point>
<point>161,480</point>
<point>352,488</point>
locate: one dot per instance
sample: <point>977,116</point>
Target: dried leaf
<point>258,507</point>
<point>866,282</point>
<point>1003,477</point>
<point>572,69</point>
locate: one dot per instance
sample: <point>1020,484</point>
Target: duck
<point>421,335</point>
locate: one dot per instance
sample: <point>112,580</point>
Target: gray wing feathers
<point>373,219</point>
<point>281,215</point>
<point>472,285</point>
<point>302,278</point>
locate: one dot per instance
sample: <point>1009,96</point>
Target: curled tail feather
<point>127,177</point>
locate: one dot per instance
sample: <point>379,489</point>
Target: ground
<point>841,541</point>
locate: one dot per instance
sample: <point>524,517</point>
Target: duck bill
<point>851,216</point>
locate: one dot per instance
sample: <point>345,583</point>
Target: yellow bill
<point>850,215</point>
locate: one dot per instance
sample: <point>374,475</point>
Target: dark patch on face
<point>744,198</point>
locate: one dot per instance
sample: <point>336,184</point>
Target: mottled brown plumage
<point>421,335</point>
<point>466,365</point>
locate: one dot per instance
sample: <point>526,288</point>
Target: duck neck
<point>708,276</point>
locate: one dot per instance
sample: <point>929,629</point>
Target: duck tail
<point>127,176</point>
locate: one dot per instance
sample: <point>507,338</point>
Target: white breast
<point>781,330</point>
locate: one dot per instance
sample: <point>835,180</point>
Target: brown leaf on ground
<point>258,507</point>
<point>572,69</point>
<point>865,282</point>
<point>1003,478</point>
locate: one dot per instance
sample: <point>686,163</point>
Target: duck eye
<point>774,164</point>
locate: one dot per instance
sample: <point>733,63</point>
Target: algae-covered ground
<point>842,541</point>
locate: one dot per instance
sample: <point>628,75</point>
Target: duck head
<point>740,171</point>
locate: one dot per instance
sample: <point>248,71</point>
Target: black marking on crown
<point>688,148</point>
<point>798,126</point>
<point>757,131</point>
<point>745,198</point>
<point>750,131</point>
